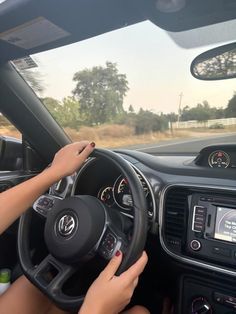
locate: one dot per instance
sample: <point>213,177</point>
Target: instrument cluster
<point>119,195</point>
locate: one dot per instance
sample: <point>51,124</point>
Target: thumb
<point>111,268</point>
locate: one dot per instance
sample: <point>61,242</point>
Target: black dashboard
<point>191,207</point>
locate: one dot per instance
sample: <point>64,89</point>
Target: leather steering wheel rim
<point>135,246</point>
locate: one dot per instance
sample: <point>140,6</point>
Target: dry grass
<point>121,135</point>
<point>10,131</point>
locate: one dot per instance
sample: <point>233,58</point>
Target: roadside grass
<point>124,136</point>
<point>119,135</point>
<point>10,131</point>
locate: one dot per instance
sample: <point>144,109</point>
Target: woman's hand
<point>109,293</point>
<point>70,158</point>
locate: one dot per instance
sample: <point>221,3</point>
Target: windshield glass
<point>132,88</point>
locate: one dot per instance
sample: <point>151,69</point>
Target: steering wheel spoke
<point>51,274</point>
<point>44,204</point>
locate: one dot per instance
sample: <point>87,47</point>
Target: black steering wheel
<point>76,229</point>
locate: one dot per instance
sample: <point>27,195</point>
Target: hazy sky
<point>157,69</point>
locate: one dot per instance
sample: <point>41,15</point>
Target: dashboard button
<point>200,210</point>
<point>218,297</point>
<point>195,245</point>
<point>198,226</point>
<point>199,218</point>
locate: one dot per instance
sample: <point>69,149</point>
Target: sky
<point>156,68</point>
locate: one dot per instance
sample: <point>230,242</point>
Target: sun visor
<point>31,26</point>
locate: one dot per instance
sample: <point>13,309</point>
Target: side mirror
<point>215,64</point>
<point>11,154</point>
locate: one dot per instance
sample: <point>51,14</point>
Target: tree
<point>34,79</point>
<point>53,107</point>
<point>71,116</point>
<point>66,113</point>
<point>100,92</point>
<point>201,112</point>
<point>131,109</point>
<point>147,121</point>
<point>230,111</point>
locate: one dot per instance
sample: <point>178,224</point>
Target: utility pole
<point>179,110</point>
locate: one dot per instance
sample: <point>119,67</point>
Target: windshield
<point>132,88</point>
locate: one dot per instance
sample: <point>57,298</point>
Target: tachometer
<point>219,159</point>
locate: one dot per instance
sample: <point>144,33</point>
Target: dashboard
<point>191,210</point>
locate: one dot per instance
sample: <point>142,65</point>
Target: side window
<point>11,155</point>
<point>7,129</point>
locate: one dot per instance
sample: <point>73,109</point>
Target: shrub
<point>217,126</point>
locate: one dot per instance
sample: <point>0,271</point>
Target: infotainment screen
<point>225,227</point>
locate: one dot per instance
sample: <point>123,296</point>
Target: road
<point>190,145</point>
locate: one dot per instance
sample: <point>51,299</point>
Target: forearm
<point>19,198</point>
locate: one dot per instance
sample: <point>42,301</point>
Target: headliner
<point>76,20</point>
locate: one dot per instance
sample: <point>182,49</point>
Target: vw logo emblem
<point>66,225</point>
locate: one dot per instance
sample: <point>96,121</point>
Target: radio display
<point>225,226</point>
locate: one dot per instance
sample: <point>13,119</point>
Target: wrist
<point>88,309</point>
<point>51,175</point>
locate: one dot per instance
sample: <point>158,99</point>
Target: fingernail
<point>92,144</point>
<point>118,253</point>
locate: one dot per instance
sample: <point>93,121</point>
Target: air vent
<point>175,215</point>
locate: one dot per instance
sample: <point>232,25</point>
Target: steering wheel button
<point>45,201</point>
<point>40,201</point>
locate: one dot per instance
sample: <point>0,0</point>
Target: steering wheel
<point>76,229</point>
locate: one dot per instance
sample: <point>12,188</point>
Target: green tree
<point>131,109</point>
<point>67,113</point>
<point>34,79</point>
<point>147,121</point>
<point>54,107</point>
<point>100,92</point>
<point>230,111</point>
<point>71,116</point>
<point>201,112</point>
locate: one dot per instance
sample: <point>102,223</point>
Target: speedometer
<point>219,159</point>
<point>122,193</point>
<point>106,195</point>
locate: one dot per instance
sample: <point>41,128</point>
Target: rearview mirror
<point>215,64</point>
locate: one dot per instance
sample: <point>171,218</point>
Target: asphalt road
<point>189,146</point>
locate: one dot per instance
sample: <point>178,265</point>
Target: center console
<point>211,230</point>
<point>205,297</point>
<point>198,227</point>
